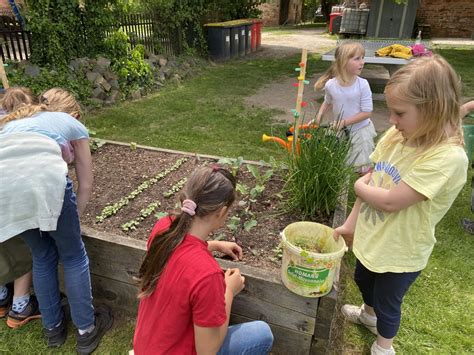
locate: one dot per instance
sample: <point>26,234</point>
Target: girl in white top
<point>350,98</point>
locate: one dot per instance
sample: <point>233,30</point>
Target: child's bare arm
<point>209,340</point>
<point>322,111</point>
<point>357,118</point>
<point>399,197</point>
<point>83,167</point>
<point>348,228</point>
<point>467,108</point>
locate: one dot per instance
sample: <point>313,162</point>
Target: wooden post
<point>3,75</point>
<point>299,97</point>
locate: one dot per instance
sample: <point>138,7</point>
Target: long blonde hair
<point>17,96</point>
<point>432,85</point>
<point>344,52</point>
<point>23,111</point>
<point>60,100</point>
<point>52,100</point>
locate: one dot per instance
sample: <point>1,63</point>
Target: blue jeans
<point>247,338</point>
<point>64,244</point>
<point>384,292</point>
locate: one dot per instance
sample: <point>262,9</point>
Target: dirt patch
<point>119,170</point>
<point>279,44</point>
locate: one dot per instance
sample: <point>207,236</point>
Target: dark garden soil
<point>119,170</point>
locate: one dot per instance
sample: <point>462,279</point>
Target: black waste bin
<point>336,25</point>
<point>218,41</point>
<point>248,38</point>
<point>242,37</point>
<point>234,41</point>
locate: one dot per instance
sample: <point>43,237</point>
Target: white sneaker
<point>358,315</point>
<point>378,350</point>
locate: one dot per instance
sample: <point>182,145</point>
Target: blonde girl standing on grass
<point>350,96</point>
<point>419,168</point>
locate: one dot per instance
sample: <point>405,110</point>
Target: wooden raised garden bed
<point>300,325</point>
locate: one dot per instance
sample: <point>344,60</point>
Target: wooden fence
<point>149,31</point>
<point>14,41</point>
<point>141,29</point>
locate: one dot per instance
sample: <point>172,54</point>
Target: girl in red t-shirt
<point>185,298</point>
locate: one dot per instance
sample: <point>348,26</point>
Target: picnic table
<point>371,46</point>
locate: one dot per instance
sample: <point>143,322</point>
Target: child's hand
<point>338,124</point>
<point>234,281</point>
<point>229,248</point>
<point>363,180</point>
<point>347,233</point>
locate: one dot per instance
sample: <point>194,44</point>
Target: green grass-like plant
<point>316,177</point>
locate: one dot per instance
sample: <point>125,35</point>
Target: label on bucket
<point>307,277</point>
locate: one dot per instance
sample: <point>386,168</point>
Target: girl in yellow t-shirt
<point>419,168</point>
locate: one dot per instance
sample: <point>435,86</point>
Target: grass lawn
<point>462,59</point>
<point>29,339</point>
<point>207,114</point>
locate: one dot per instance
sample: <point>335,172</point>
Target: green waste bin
<point>218,40</point>
<point>468,140</point>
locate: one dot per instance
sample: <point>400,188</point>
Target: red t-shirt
<point>191,290</point>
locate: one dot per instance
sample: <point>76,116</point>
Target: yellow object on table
<point>395,50</point>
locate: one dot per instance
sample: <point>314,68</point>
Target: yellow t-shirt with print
<point>403,241</point>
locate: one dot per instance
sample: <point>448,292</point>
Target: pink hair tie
<point>189,207</point>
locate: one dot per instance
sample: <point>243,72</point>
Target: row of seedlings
<point>113,209</point>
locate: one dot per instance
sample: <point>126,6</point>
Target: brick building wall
<point>447,18</point>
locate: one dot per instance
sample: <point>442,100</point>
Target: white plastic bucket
<point>305,272</point>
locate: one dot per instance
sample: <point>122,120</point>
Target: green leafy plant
<point>76,83</point>
<point>317,176</point>
<point>242,188</point>
<point>277,254</point>
<point>234,224</point>
<point>261,180</point>
<point>250,224</point>
<point>134,73</point>
<point>233,163</point>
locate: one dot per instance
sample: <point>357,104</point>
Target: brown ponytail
<point>211,189</point>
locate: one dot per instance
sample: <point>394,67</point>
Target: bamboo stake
<point>3,75</point>
<point>299,97</point>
